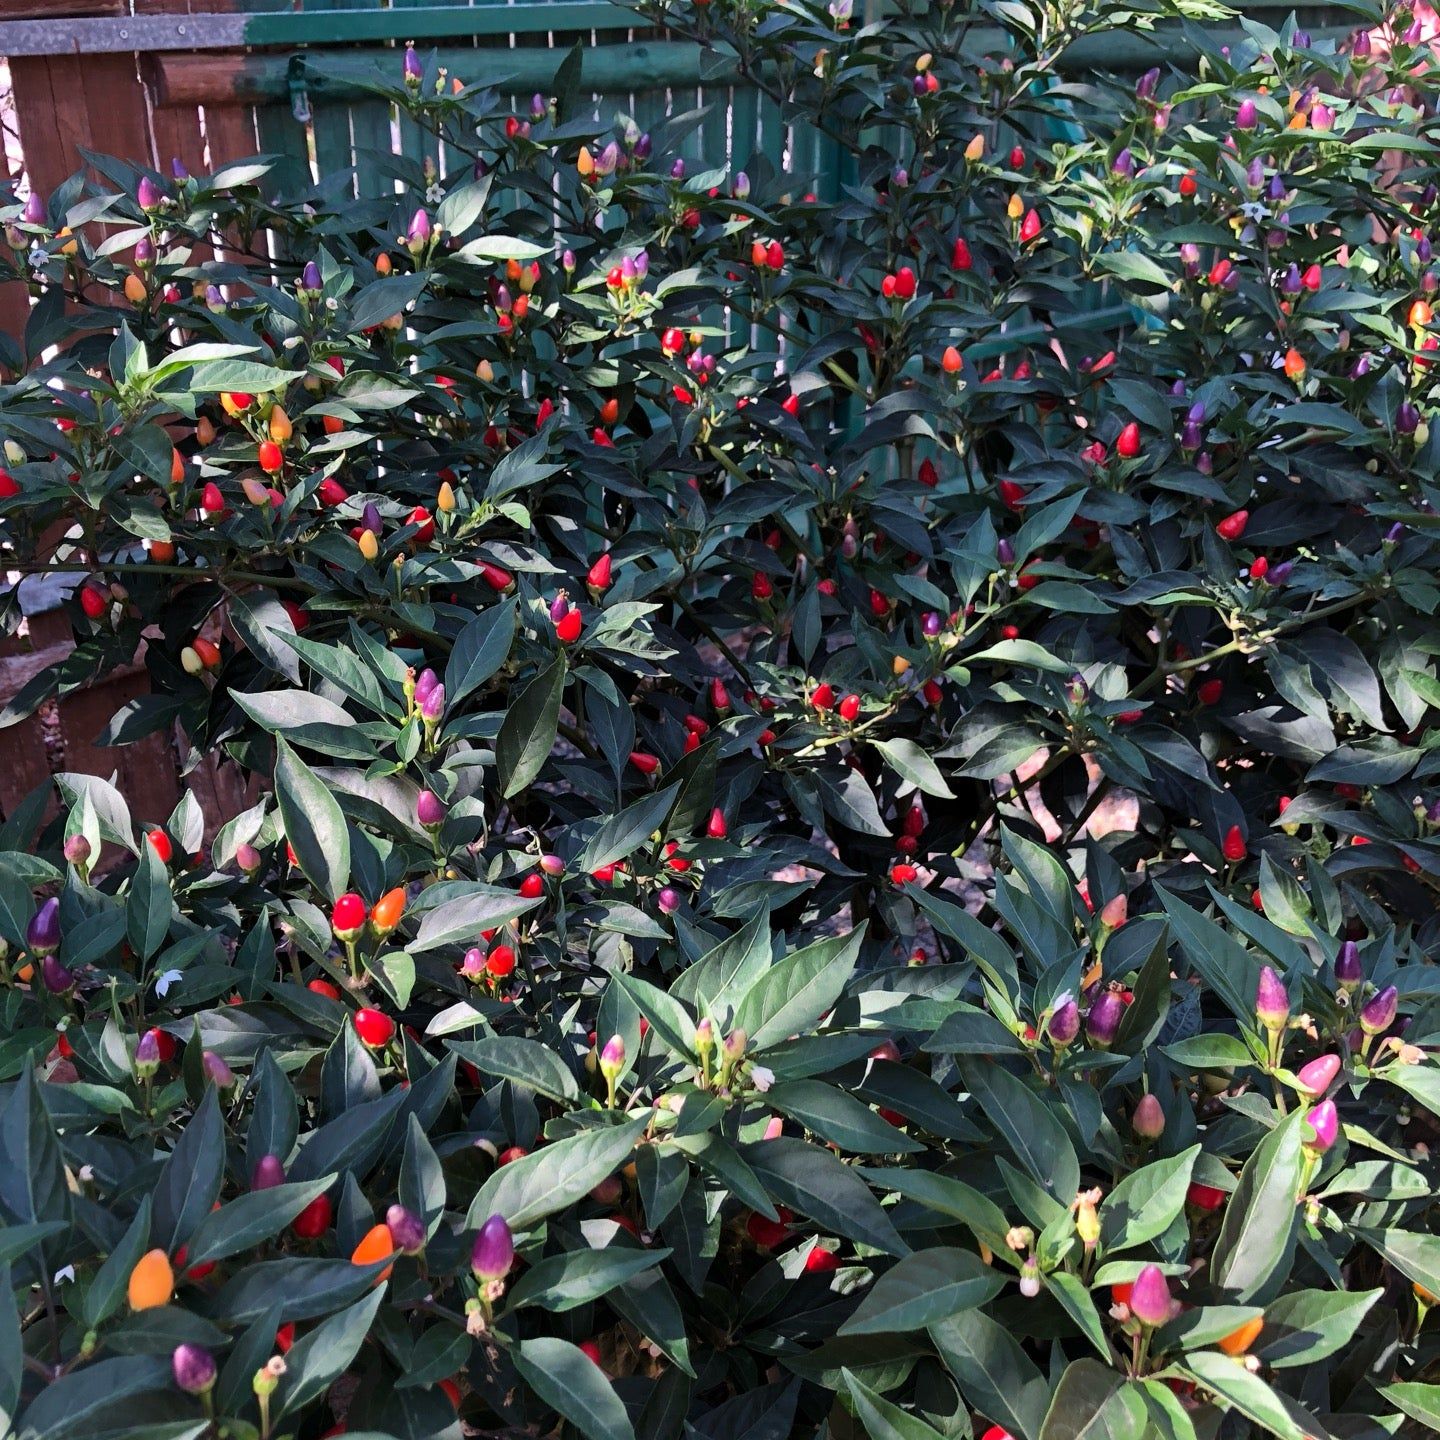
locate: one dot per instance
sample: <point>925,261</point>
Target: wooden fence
<point>211,81</point>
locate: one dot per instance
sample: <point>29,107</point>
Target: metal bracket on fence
<point>299,94</point>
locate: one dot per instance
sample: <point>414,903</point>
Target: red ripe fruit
<point>314,1220</point>
<point>1030,227</point>
<point>160,843</point>
<point>765,1232</point>
<point>532,886</point>
<point>1026,580</point>
<point>331,492</point>
<point>719,698</point>
<point>1012,495</point>
<point>849,709</point>
<point>761,587</point>
<point>715,827</point>
<point>1017,158</point>
<point>271,458</point>
<point>374,1027</point>
<point>645,764</point>
<point>960,258</point>
<point>1311,278</point>
<point>500,962</point>
<point>285,1337</point>
<point>1232,527</point>
<point>324,987</point>
<point>822,697</point>
<point>567,627</point>
<point>511,1155</point>
<point>93,601</point>
<point>349,915</point>
<point>1259,568</point>
<point>598,576</point>
<point>931,691</point>
<point>1204,1197</point>
<point>1233,846</point>
<point>421,516</point>
<point>929,476</point>
<point>879,605</point>
<point>791,405</point>
<point>672,342</point>
<point>212,502</point>
<point>497,579</point>
<point>904,873</point>
<point>165,1044</point>
<point>1211,691</point>
<point>1128,445</point>
<point>1188,185</point>
<point>905,283</point>
<point>9,485</point>
<point>775,255</point>
<point>590,1350</point>
<point>821,1262</point>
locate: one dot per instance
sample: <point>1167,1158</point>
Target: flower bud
<point>734,1046</point>
<point>1149,1118</point>
<point>406,1229</point>
<point>1103,1021</point>
<point>612,1058</point>
<point>42,934</point>
<point>1030,1278</point>
<point>1348,970</point>
<point>56,978</point>
<point>1272,1004</point>
<point>77,851</point>
<point>493,1252</point>
<point>432,707</point>
<point>417,233</point>
<point>217,1072</point>
<point>1064,1023</point>
<point>248,858</point>
<point>194,1368</point>
<point>269,1172</point>
<point>1323,1127</point>
<point>1315,1078</point>
<point>147,1054</point>
<point>704,1036</point>
<point>1378,1013</point>
<point>1150,1301</point>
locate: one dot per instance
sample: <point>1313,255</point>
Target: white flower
<point>66,1272</point>
<point>164,981</point>
<point>761,1078</point>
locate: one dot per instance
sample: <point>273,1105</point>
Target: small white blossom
<point>761,1078</point>
<point>63,1274</point>
<point>164,981</point>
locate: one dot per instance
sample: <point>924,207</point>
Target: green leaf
<point>481,648</point>
<point>1257,1236</point>
<point>572,1385</point>
<point>1419,1401</point>
<point>315,1362</point>
<point>558,1175</point>
<point>812,1182</point>
<point>1093,1402</point>
<point>881,1419</point>
<point>80,1404</point>
<point>618,837</point>
<point>1309,1325</point>
<point>33,1189</point>
<point>250,1219</point>
<point>564,1282</point>
<point>148,906</point>
<point>1146,1202</point>
<point>527,733</point>
<point>1026,1124</point>
<point>190,1182</point>
<point>668,1018</point>
<point>112,1280</point>
<point>1249,1394</point>
<point>789,997</point>
<point>994,1374</point>
<point>460,920</point>
<point>314,824</point>
<point>525,1062</point>
<point>922,1289</point>
<point>839,1118</point>
<point>1416,1255</point>
<point>912,763</point>
<point>945,1195</point>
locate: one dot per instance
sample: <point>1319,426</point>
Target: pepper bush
<point>845,839</point>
